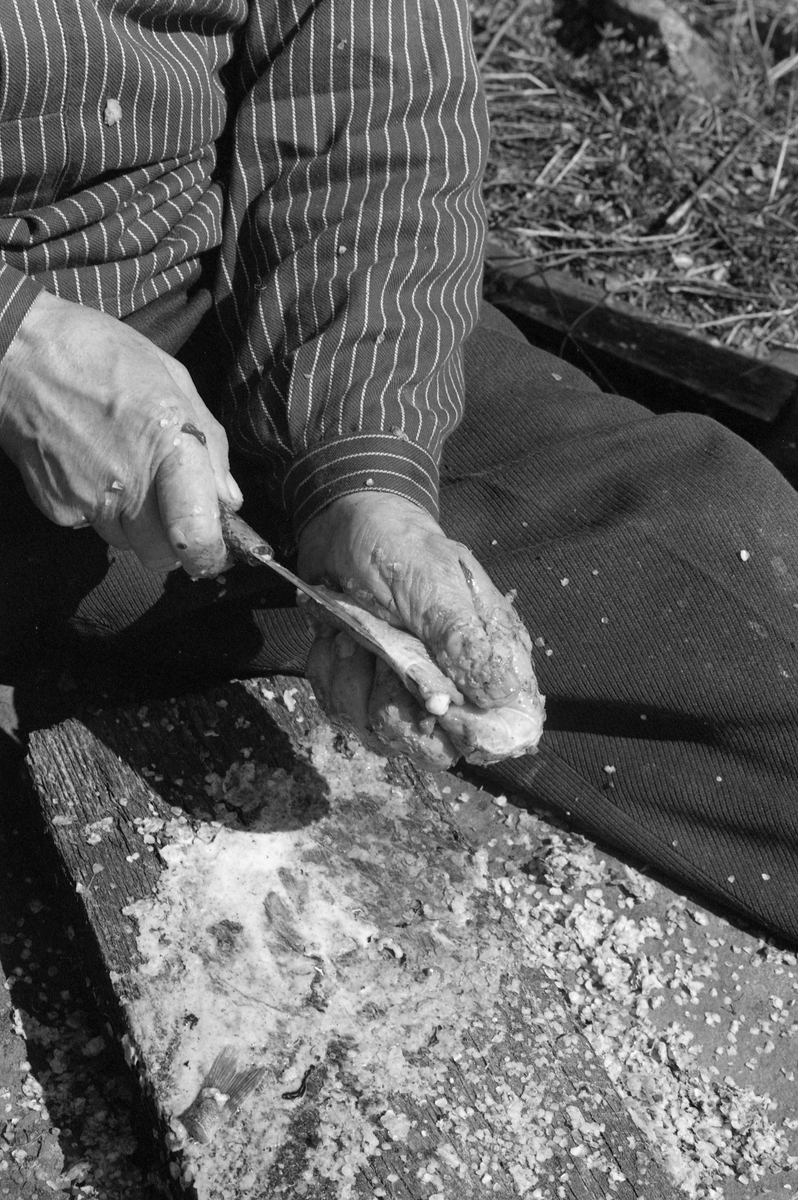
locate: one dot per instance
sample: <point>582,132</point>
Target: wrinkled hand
<point>395,560</point>
<point>108,430</point>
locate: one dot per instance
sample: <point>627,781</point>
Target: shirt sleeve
<point>352,254</point>
<point>17,293</point>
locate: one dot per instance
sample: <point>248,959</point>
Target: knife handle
<point>241,539</point>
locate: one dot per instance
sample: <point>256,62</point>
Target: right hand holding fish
<point>393,559</point>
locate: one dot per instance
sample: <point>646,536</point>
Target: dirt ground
<point>711,1034</point>
<point>612,161</point>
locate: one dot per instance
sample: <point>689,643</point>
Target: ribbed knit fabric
<point>655,556</point>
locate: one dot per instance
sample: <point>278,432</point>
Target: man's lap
<point>656,564</point>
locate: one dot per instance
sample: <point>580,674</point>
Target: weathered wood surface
<point>498,1093</point>
<point>587,316</point>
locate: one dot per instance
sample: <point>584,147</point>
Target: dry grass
<point>606,165</point>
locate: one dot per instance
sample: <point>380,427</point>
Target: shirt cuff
<point>363,462</point>
<point>17,293</point>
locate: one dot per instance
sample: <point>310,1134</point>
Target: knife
<point>403,652</point>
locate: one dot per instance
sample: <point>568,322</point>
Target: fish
<point>495,651</point>
<point>222,1092</point>
<point>488,735</point>
<point>403,652</point>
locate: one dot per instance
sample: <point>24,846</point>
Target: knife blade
<point>403,652</point>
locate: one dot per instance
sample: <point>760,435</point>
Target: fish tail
<point>225,1077</point>
<point>222,1092</point>
<point>222,1071</point>
<point>243,1083</point>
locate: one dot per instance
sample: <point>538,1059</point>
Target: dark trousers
<point>656,564</point>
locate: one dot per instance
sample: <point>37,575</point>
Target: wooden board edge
<point>590,317</point>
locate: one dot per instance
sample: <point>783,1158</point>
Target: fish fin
<point>224,1077</point>
<point>222,1092</point>
<point>223,1071</point>
<point>242,1084</point>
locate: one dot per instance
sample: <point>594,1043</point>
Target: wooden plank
<point>443,1060</point>
<point>589,317</point>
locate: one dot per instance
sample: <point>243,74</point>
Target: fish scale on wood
<point>443,1059</point>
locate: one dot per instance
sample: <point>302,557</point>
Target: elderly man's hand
<point>394,559</point>
<point>108,430</point>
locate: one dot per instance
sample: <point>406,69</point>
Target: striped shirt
<point>328,152</point>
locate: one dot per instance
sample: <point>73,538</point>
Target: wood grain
<point>520,1106</point>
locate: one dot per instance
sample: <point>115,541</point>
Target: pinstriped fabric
<point>349,223</point>
<point>109,115</point>
<point>352,259</point>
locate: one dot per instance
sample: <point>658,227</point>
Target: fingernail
<point>235,491</point>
